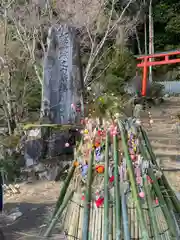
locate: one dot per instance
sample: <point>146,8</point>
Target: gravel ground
<point>35,202</point>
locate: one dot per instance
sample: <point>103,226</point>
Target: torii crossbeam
<point>156,60</point>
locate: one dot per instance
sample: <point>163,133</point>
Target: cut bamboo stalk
<point>132,220</point>
<point>66,224</point>
<point>77,228</point>
<point>64,189</point>
<point>58,214</point>
<point>117,189</point>
<point>153,222</point>
<point>90,223</point>
<point>80,222</point>
<point>106,191</point>
<point>76,221</point>
<point>99,224</point>
<point>129,217</point>
<point>72,222</point>
<point>136,225</point>
<point>146,214</point>
<point>125,224</point>
<point>174,198</point>
<point>88,199</point>
<point>114,223</point>
<point>133,183</point>
<point>96,225</point>
<point>163,205</point>
<point>93,221</point>
<point>102,231</point>
<point>111,223</point>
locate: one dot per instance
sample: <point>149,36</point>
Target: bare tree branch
<point>96,50</point>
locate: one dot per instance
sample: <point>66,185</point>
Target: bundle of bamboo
<point>134,198</point>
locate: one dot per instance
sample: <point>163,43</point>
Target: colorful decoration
<point>149,180</point>
<point>83,197</point>
<point>111,179</point>
<point>86,131</point>
<point>99,200</point>
<point>156,201</point>
<point>113,130</point>
<point>100,169</point>
<point>97,151</point>
<point>141,194</point>
<point>67,144</point>
<point>76,163</point>
<point>73,106</point>
<point>84,170</point>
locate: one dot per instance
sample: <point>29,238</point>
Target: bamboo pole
<point>164,207</point>
<point>152,218</point>
<point>93,222</point>
<point>64,189</point>
<point>174,198</point>
<point>125,217</point>
<point>148,145</point>
<point>133,183</point>
<point>72,222</point>
<point>170,205</point>
<point>106,191</point>
<point>110,223</point>
<point>126,233</point>
<point>117,189</point>
<point>102,230</point>
<point>90,224</point>
<point>99,224</point>
<point>58,214</point>
<point>80,222</point>
<point>87,199</point>
<point>114,222</point>
<point>96,225</point>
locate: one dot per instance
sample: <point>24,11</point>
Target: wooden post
<point>145,73</point>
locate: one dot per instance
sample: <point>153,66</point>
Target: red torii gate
<point>145,64</point>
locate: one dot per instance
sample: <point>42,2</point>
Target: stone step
<point>172,154</point>
<point>164,146</point>
<point>163,141</point>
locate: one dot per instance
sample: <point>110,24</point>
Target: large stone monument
<point>62,94</point>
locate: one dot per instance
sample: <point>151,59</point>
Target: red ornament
<point>149,180</point>
<point>83,197</point>
<point>99,132</point>
<point>156,201</point>
<point>99,202</point>
<point>133,157</point>
<point>111,179</point>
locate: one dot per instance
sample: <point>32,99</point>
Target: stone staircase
<point>165,138</point>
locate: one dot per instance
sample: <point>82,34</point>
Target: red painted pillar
<point>145,74</point>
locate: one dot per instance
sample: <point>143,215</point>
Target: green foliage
<point>11,168</point>
<point>121,68</point>
<point>167,24</point>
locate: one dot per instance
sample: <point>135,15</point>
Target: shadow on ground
<point>30,222</point>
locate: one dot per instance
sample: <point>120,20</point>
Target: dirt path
<point>36,203</point>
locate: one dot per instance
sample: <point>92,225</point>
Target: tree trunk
<point>138,42</point>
